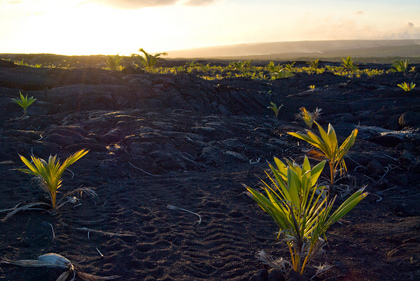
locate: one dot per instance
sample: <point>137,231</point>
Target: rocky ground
<point>156,140</point>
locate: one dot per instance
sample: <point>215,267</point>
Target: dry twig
<point>147,173</point>
<point>104,232</point>
<point>170,207</point>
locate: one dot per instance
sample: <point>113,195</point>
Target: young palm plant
<point>348,64</point>
<point>301,208</point>
<point>400,65</point>
<point>49,175</point>
<point>407,87</point>
<point>314,64</point>
<point>50,172</point>
<point>309,117</point>
<point>148,60</point>
<point>328,148</point>
<point>275,108</point>
<point>113,62</point>
<point>24,102</point>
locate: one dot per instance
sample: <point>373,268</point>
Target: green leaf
<point>347,205</point>
<point>316,172</point>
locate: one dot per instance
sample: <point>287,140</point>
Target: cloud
<point>333,27</point>
<point>138,4</point>
<point>135,4</point>
<point>407,31</point>
<point>359,13</point>
<point>199,2</point>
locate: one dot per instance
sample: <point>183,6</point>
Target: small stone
<point>5,63</point>
<point>407,158</point>
<point>387,140</point>
<point>402,211</point>
<point>129,70</point>
<point>393,123</point>
<point>401,179</point>
<point>382,184</point>
<point>415,167</point>
<point>294,276</point>
<point>261,275</point>
<point>409,119</point>
<point>275,275</point>
<point>374,167</point>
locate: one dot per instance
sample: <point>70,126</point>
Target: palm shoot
<point>50,172</point>
<point>275,108</point>
<point>328,148</point>
<point>24,102</point>
<point>301,208</point>
<point>113,62</point>
<point>148,60</point>
<point>407,87</point>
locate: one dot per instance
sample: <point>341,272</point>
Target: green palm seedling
<point>240,65</point>
<point>301,208</point>
<point>289,66</point>
<point>328,148</point>
<point>314,64</point>
<point>400,65</point>
<point>24,102</point>
<point>113,62</point>
<point>309,117</point>
<point>275,108</point>
<point>348,64</point>
<point>407,87</point>
<point>50,172</point>
<point>148,60</point>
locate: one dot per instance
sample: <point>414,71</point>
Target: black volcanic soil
<point>158,140</point>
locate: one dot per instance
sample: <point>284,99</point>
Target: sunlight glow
<point>111,26</point>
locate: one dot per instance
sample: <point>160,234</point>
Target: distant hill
<point>306,50</point>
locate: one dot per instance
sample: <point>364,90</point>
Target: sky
<point>85,27</point>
